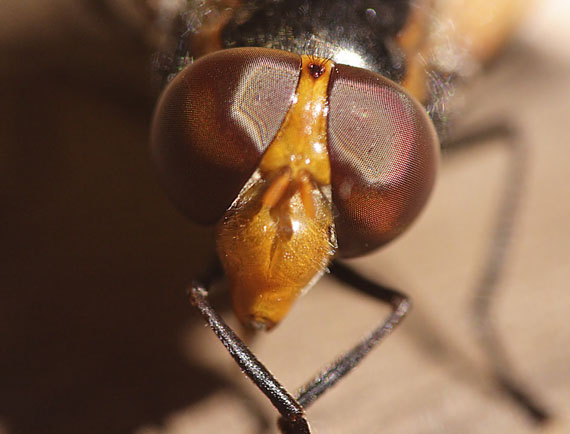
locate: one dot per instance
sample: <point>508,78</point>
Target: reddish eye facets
<point>384,152</point>
<point>217,118</point>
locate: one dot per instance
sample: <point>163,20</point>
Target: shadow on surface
<point>94,259</point>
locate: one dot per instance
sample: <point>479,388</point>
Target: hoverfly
<point>305,131</point>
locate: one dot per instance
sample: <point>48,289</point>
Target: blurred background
<point>96,335</point>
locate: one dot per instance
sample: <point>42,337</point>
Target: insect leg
<point>400,304</point>
<point>487,285</point>
<point>292,414</point>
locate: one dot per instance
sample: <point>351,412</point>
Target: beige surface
<point>96,335</point>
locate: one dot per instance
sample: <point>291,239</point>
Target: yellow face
<point>278,235</point>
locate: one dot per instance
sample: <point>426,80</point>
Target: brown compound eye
<point>384,155</point>
<point>215,120</point>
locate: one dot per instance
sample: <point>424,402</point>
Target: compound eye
<point>215,120</point>
<point>384,155</point>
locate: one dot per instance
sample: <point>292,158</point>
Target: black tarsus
<point>292,420</point>
<point>400,304</point>
<point>291,411</point>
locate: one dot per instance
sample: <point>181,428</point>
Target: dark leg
<point>400,304</point>
<point>292,419</point>
<point>292,414</point>
<point>488,283</point>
